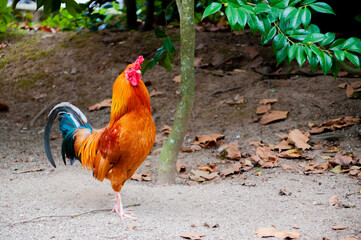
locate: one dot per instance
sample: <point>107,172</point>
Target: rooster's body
<point>117,150</point>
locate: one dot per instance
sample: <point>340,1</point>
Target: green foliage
<point>164,55</point>
<point>288,24</point>
<point>5,15</point>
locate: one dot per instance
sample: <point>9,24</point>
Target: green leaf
<point>299,37</point>
<point>271,34</point>
<point>324,58</point>
<point>211,9</point>
<point>287,11</point>
<point>353,58</point>
<point>337,44</point>
<point>266,25</point>
<point>262,7</point>
<point>307,2</point>
<point>305,17</point>
<point>335,67</point>
<point>232,15</point>
<point>358,18</point>
<point>314,29</point>
<point>322,7</point>
<point>247,9</point>
<point>340,55</point>
<point>253,22</point>
<point>296,17</point>
<point>355,48</point>
<point>336,169</point>
<point>242,17</point>
<point>280,3</point>
<point>329,38</point>
<point>300,56</point>
<point>168,45</point>
<point>165,61</point>
<point>160,33</point>
<point>311,58</point>
<point>145,66</point>
<point>72,7</point>
<point>279,41</point>
<point>292,52</point>
<point>349,42</point>
<point>294,2</point>
<point>314,38</point>
<point>281,54</point>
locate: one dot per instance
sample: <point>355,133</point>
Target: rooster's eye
<point>129,68</point>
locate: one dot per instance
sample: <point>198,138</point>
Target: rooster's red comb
<point>138,62</point>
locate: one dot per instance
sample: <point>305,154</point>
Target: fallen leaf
<point>39,96</point>
<point>197,62</point>
<point>233,169</point>
<point>177,79</point>
<point>337,169</point>
<point>192,148</point>
<point>299,139</point>
<point>265,157</point>
<point>342,85</point>
<point>273,232</point>
<point>286,167</point>
<point>331,149</point>
<point>3,45</point>
<point>180,167</point>
<point>208,140</point>
<point>166,129</point>
<point>155,93</point>
<point>292,153</point>
<point>266,101</point>
<point>334,124</point>
<point>158,139</point>
<point>282,136</point>
<point>255,143</point>
<point>232,150</point>
<point>273,116</point>
<point>350,238</point>
<point>192,235</point>
<point>333,201</point>
<point>342,73</point>
<point>263,109</point>
<point>131,228</point>
<point>283,145</point>
<point>137,177</point>
<point>339,227</point>
<point>105,103</point>
<point>356,85</point>
<point>342,160</point>
<point>253,52</point>
<point>284,192</point>
<point>209,168</point>
<point>4,107</point>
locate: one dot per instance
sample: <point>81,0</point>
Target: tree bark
<point>131,14</point>
<point>149,19</point>
<point>170,150</point>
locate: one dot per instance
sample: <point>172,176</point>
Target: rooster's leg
<point>119,208</point>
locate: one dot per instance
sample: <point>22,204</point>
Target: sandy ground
<point>165,212</point>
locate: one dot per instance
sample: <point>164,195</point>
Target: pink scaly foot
<point>118,207</point>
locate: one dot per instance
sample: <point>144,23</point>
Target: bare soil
<point>81,68</point>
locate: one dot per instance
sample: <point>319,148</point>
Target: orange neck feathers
<point>127,98</point>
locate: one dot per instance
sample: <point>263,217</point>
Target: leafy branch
<point>288,24</point>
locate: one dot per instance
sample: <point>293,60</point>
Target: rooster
<point>113,152</point>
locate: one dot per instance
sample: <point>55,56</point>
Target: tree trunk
<point>149,19</point>
<point>131,14</point>
<point>170,150</point>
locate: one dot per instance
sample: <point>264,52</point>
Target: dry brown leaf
<point>198,62</point>
<point>137,177</point>
<point>192,235</point>
<point>333,201</point>
<point>177,79</point>
<point>192,148</point>
<point>283,145</point>
<point>4,107</point>
<point>273,232</point>
<point>158,139</point>
<point>209,168</point>
<point>265,157</point>
<point>334,124</point>
<point>266,101</point>
<point>273,116</point>
<point>263,109</point>
<point>292,153</point>
<point>253,52</point>
<point>342,160</point>
<point>105,103</point>
<point>131,228</point>
<point>232,150</point>
<point>286,167</point>
<point>166,130</point>
<point>339,227</point>
<point>350,238</point>
<point>356,85</point>
<point>299,139</point>
<point>201,176</point>
<point>39,96</point>
<point>3,45</point>
<point>180,167</point>
<point>233,169</point>
<point>155,93</point>
<point>255,143</point>
<point>342,85</point>
<point>282,136</point>
<point>208,140</point>
<point>331,149</point>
